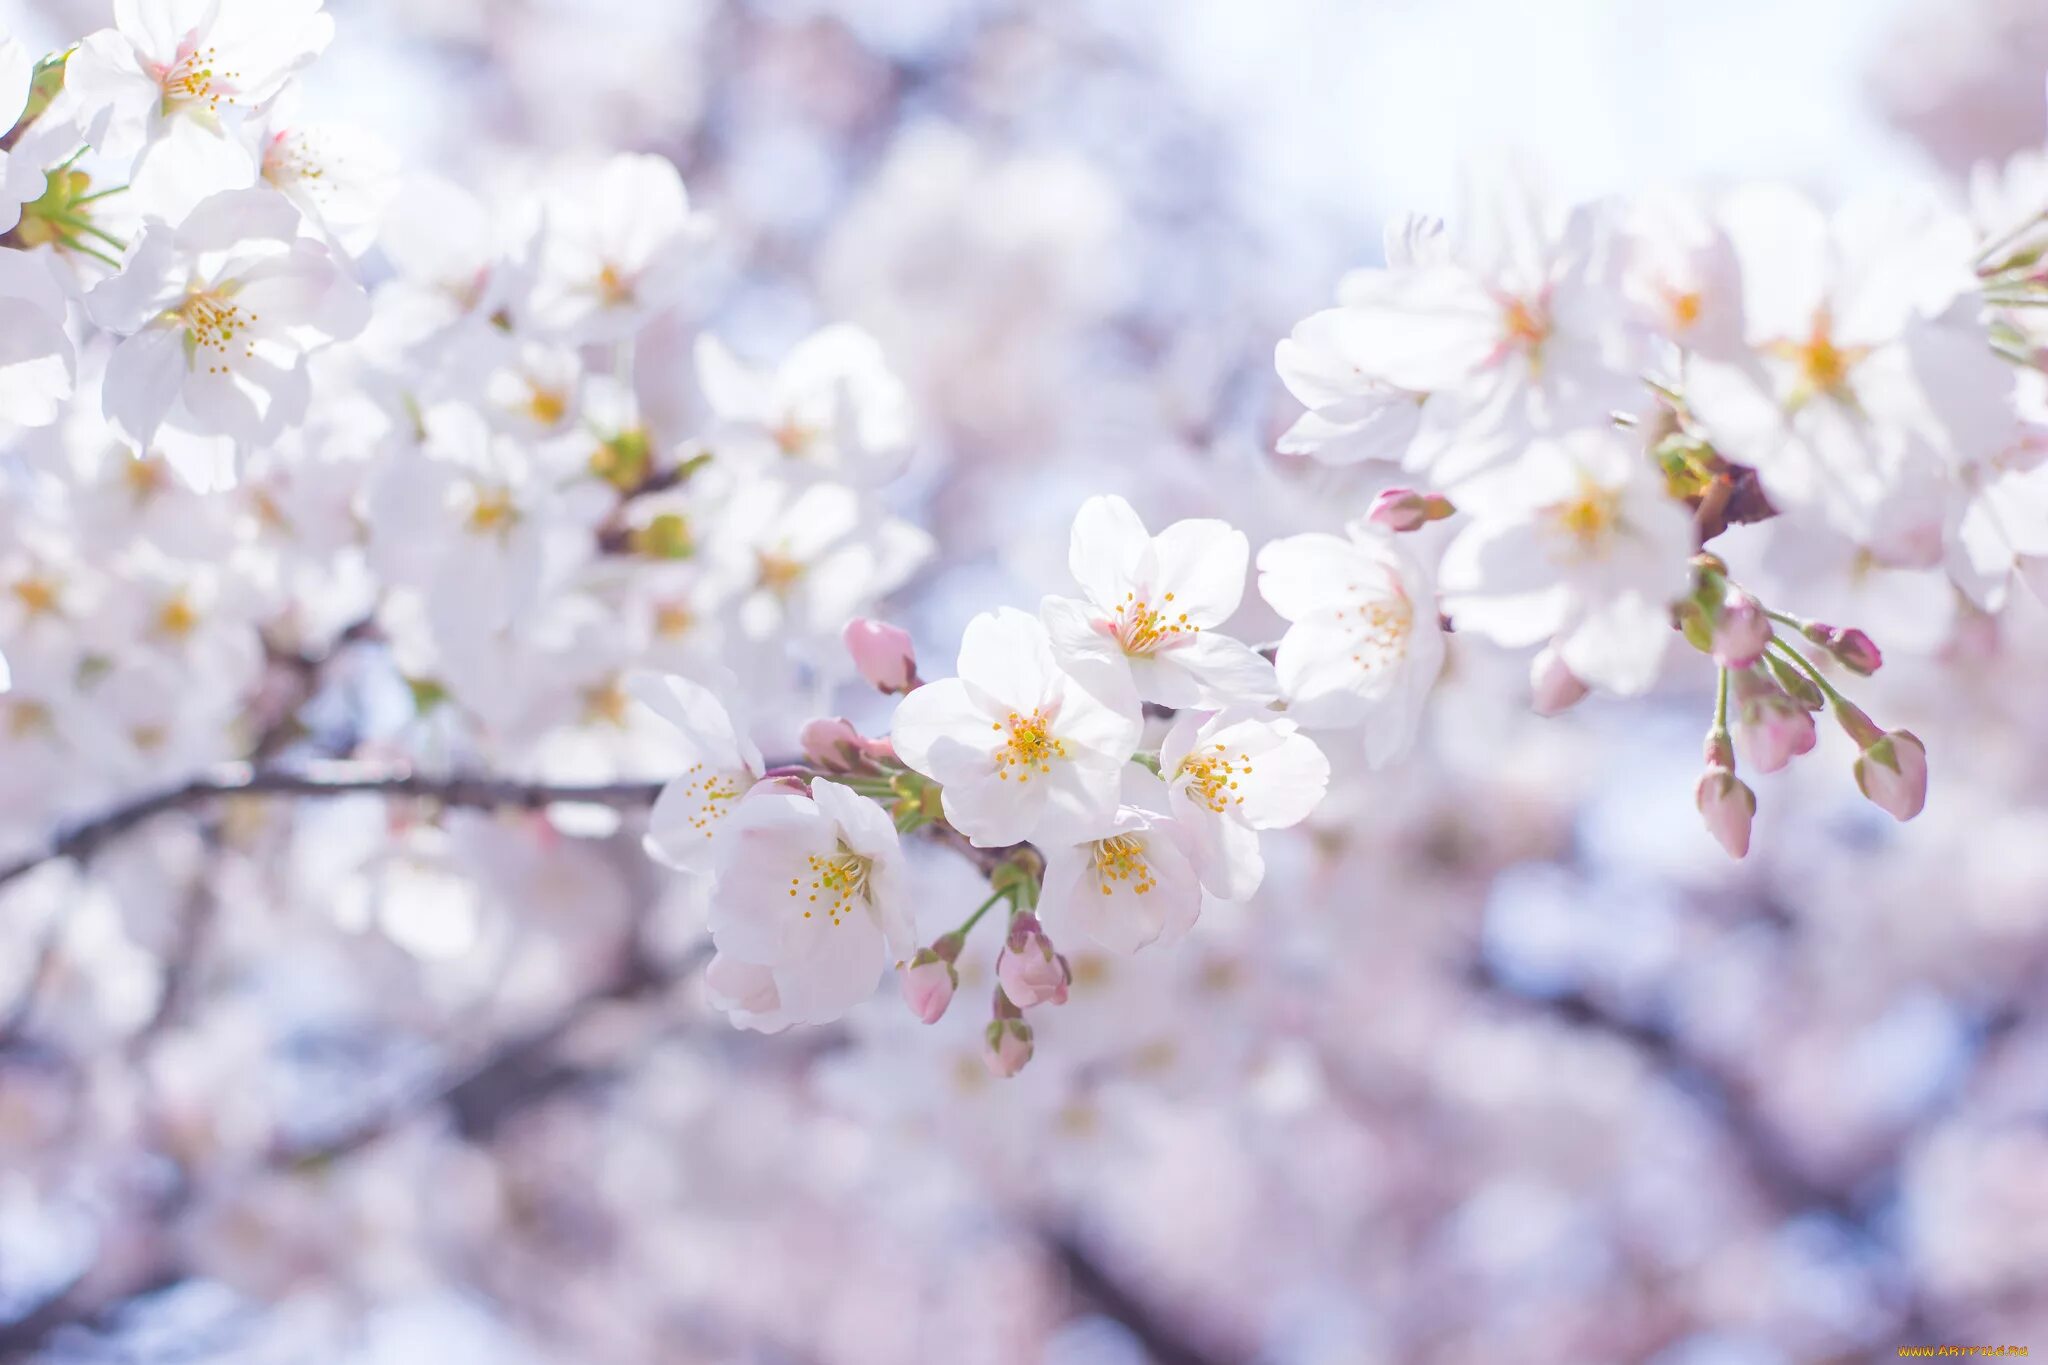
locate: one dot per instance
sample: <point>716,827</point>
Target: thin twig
<point>323,780</point>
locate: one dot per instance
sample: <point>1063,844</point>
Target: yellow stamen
<point>1031,746</point>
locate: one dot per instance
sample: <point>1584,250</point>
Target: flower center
<point>290,157</point>
<point>1383,625</point>
<point>493,512</point>
<point>778,572</point>
<point>37,595</point>
<point>25,718</point>
<point>607,703</point>
<point>546,406</point>
<point>177,618</point>
<point>1120,860</point>
<point>1031,745</point>
<point>707,796</point>
<point>212,321</point>
<point>1587,520</point>
<point>794,438</point>
<point>1525,326</point>
<point>673,619</point>
<point>192,80</point>
<point>1142,628</point>
<point>1212,777</point>
<point>613,288</point>
<point>1822,366</point>
<point>838,883</point>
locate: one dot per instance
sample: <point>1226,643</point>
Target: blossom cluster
<point>278,403</point>
<point>335,757</point>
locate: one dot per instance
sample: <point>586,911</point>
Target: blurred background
<point>1505,1060</point>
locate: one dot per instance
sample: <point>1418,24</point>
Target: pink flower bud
<point>1892,772</point>
<point>1404,509</point>
<point>1030,971</point>
<point>1008,1046</point>
<point>1797,685</point>
<point>1771,727</point>
<point>1857,652</point>
<point>1852,649</point>
<point>831,744</point>
<point>1553,687</point>
<point>928,981</point>
<point>1741,630</point>
<point>1728,806</point>
<point>882,653</point>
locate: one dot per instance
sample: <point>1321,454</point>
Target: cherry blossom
<point>832,405</point>
<point>174,64</point>
<point>219,314</point>
<point>1365,644</point>
<point>1578,543</point>
<point>723,765</point>
<point>1131,885</point>
<point>1154,604</point>
<point>807,906</point>
<point>1022,749</point>
<point>618,246</point>
<point>1231,775</point>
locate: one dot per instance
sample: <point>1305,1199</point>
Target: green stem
<point>74,244</point>
<point>2009,239</point>
<point>967,925</point>
<point>1782,619</point>
<point>1721,705</point>
<point>1806,666</point>
<point>99,194</point>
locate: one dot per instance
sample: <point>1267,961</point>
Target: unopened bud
<point>883,654</point>
<point>1006,1046</point>
<point>1892,772</point>
<point>1404,509</point>
<point>1797,685</point>
<point>1740,630</point>
<point>830,743</point>
<point>928,981</point>
<point>1553,687</point>
<point>1773,728</point>
<point>1728,806</point>
<point>1852,649</point>
<point>1030,971</point>
<point>1857,652</point>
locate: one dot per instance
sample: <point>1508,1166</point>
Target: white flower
<point>1353,416</point>
<point>1231,775</point>
<point>691,811</point>
<point>1365,644</point>
<point>219,314</point>
<point>1022,749</point>
<point>462,267</point>
<point>808,907</point>
<point>1152,609</point>
<point>619,242</point>
<point>192,62</point>
<point>1132,884</point>
<point>1682,276</point>
<point>21,177</point>
<point>477,520</point>
<point>36,366</point>
<point>1520,330</point>
<point>804,559</point>
<point>1864,361</point>
<point>1577,542</point>
<point>831,405</point>
<point>341,178</point>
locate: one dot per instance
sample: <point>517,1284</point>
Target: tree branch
<point>320,780</point>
